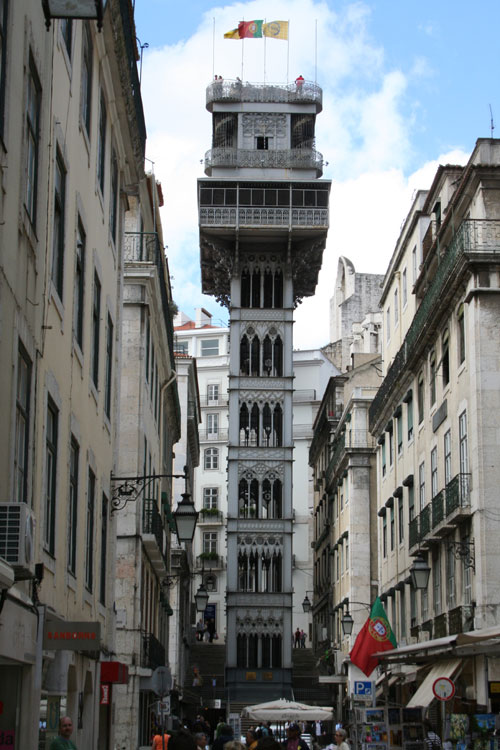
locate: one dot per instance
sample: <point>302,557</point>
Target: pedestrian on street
<point>302,639</point>
<point>294,741</point>
<point>211,630</point>
<point>200,629</point>
<point>62,741</point>
<point>251,739</point>
<point>341,739</point>
<point>201,740</point>
<point>182,740</point>
<point>160,743</point>
<point>297,638</point>
<point>225,735</point>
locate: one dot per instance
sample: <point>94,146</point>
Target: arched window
<point>211,460</point>
<point>245,288</point>
<point>278,356</point>
<point>255,298</point>
<point>268,287</point>
<point>278,289</point>
<point>254,357</point>
<point>244,356</point>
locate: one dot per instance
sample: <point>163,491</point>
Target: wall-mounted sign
<point>105,694</point>
<point>71,636</point>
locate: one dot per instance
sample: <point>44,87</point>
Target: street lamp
<point>347,622</point>
<point>185,517</point>
<point>306,604</point>
<point>201,598</point>
<point>419,572</point>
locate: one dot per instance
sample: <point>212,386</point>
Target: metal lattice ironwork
<point>296,158</point>
<point>237,91</point>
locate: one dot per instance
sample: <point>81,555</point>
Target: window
<point>388,324</point>
<point>384,464</point>
<point>109,368</point>
<point>402,614</point>
<point>436,581</point>
<point>211,458</point>
<point>413,607</point>
<point>23,396</point>
<point>210,497</point>
<point>411,503</point>
<point>432,377</point>
<point>414,263</point>
<point>67,33</point>
<point>101,144</point>
<point>424,603</point>
<point>4,7</point>
<point>393,529</point>
<point>391,446</point>
<point>421,485</point>
<point>96,316</point>
<point>74,461</point>
<point>148,345</point>
<point>104,549</point>
<point>461,334</point>
<point>420,398</point>
<point>34,96</point>
<point>450,576</point>
<point>212,424</point>
<point>213,393</point>
<point>78,295</point>
<point>399,428</point>
<point>384,535</point>
<point>409,418</point>
<point>445,359</point>
<point>396,308</point>
<point>89,531</point>
<point>51,437</point>
<point>113,197</point>
<point>210,542</point>
<point>434,472</point>
<point>466,571</point>
<point>462,441</point>
<point>209,347</point>
<point>401,519</point>
<point>262,143</point>
<point>86,92</point>
<point>447,457</point>
<point>180,347</point>
<point>405,287</point>
<point>58,225</point>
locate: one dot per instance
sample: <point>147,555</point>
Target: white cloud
<point>363,133</point>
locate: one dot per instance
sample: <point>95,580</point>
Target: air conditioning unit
<point>17,538</point>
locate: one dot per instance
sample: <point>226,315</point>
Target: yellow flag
<point>234,34</point>
<point>276,29</point>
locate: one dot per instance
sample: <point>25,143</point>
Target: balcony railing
<point>304,395</point>
<point>425,521</point>
<point>144,247</point>
<point>152,523</point>
<point>219,400</point>
<point>233,217</point>
<point>210,516</point>
<point>440,626</point>
<point>209,562</point>
<point>414,533</point>
<point>474,240</point>
<point>338,450</point>
<point>461,620</point>
<point>153,652</point>
<point>290,93</point>
<point>437,509</point>
<point>293,158</point>
<point>458,493</point>
<point>213,436</point>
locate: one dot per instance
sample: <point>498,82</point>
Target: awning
<point>484,641</point>
<point>424,695</point>
<point>114,671</point>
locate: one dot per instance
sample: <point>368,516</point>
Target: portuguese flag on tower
<point>375,635</point>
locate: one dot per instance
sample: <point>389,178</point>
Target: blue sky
<point>407,85</point>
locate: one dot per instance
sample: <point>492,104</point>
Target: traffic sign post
<point>443,689</point>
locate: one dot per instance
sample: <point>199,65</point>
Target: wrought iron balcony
<point>153,652</point>
<point>260,93</point>
<point>213,436</point>
<point>414,532</point>
<point>440,626</point>
<point>461,619</point>
<point>437,509</point>
<point>210,516</point>
<point>294,158</point>
<point>237,218</point>
<point>152,526</point>
<point>474,241</point>
<point>338,450</point>
<point>220,400</point>
<point>425,521</point>
<point>209,561</point>
<point>458,494</point>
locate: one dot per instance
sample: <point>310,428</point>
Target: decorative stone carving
<point>262,621</point>
<point>264,454</point>
<point>270,470</point>
<point>261,397</point>
<point>263,123</point>
<point>254,383</point>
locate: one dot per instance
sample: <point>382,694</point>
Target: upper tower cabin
<point>264,127</point>
<point>263,172</point>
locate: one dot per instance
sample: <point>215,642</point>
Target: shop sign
<point>251,676</point>
<point>71,636</point>
<point>105,693</point>
<point>493,689</point>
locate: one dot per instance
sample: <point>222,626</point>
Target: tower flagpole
<point>213,50</point>
<point>288,53</point>
<point>316,51</point>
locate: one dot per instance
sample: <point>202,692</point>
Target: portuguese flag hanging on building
<point>375,635</point>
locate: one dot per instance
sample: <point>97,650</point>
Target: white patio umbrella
<point>283,710</point>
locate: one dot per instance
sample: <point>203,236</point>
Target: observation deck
<point>229,91</point>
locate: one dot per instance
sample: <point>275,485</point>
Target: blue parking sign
<point>363,688</point>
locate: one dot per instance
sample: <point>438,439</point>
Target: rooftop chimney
<point>203,318</point>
